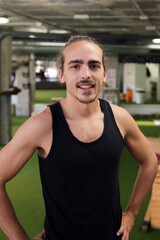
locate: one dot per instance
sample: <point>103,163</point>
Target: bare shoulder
<point>39,120</point>
<point>124,120</point>
<point>36,126</point>
<point>119,112</point>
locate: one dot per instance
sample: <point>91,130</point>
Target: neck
<point>76,109</point>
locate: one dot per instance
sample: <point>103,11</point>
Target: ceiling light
<point>4,20</point>
<point>154,46</point>
<point>156,40</point>
<point>124,29</point>
<point>81,16</point>
<point>59,31</point>
<point>38,24</point>
<point>105,29</point>
<point>32,36</point>
<point>31,29</point>
<point>54,44</point>
<point>34,44</point>
<point>143,17</point>
<point>150,28</point>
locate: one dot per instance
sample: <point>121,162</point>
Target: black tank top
<point>80,181</point>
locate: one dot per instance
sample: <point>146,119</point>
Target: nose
<point>86,72</point>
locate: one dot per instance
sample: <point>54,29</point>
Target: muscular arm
<point>12,158</point>
<point>143,153</point>
<point>141,150</point>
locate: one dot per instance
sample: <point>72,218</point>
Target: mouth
<point>86,86</point>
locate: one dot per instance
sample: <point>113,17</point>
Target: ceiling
<point>120,25</point>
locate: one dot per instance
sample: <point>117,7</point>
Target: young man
<point>79,141</point>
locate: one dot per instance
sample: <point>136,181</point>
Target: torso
<point>80,173</point>
<point>84,129</point>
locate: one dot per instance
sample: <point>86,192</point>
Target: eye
<point>94,66</point>
<point>75,66</point>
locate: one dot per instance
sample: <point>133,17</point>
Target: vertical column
<point>32,81</point>
<point>158,85</point>
<point>5,79</point>
<point>25,80</point>
<point>111,91</point>
<point>22,104</point>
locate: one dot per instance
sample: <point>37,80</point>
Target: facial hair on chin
<point>87,101</point>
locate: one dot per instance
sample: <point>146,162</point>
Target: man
<point>79,141</point>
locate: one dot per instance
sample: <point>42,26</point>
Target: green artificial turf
<point>44,96</point>
<point>25,189</point>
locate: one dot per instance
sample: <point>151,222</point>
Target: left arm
<point>141,150</point>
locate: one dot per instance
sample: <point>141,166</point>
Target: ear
<point>105,77</point>
<point>61,76</point>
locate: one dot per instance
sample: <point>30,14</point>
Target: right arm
<point>12,158</point>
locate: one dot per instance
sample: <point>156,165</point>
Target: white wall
<point>153,80</point>
<point>22,99</point>
<point>134,77</point>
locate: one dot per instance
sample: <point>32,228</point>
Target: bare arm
<point>12,158</point>
<point>141,150</point>
<point>143,153</point>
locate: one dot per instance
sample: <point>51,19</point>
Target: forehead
<point>83,50</point>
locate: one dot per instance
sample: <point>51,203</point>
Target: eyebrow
<point>75,61</point>
<point>94,61</point>
<point>81,62</point>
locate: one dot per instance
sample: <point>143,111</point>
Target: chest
<point>87,130</point>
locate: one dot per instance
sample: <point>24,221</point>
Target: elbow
<point>151,165</point>
<point>154,165</point>
<point>156,162</point>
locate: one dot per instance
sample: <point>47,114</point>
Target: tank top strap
<point>55,110</point>
<point>58,120</point>
<point>109,116</point>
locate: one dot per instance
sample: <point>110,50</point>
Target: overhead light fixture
<point>156,40</point>
<point>32,36</point>
<point>59,31</point>
<point>4,20</point>
<point>150,28</point>
<point>54,44</point>
<point>154,47</point>
<point>38,24</point>
<point>143,17</point>
<point>36,43</point>
<point>31,29</point>
<point>103,30</point>
<point>124,29</point>
<point>81,16</point>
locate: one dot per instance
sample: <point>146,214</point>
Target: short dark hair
<point>78,38</point>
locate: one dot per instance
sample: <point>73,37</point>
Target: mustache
<point>86,81</point>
